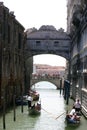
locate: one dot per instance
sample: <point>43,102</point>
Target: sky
<point>50,59</point>
<point>35,13</point>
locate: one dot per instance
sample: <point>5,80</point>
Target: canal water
<point>52,115</point>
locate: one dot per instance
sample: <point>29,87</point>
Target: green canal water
<point>53,105</point>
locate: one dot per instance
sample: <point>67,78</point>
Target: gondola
<point>76,121</point>
<point>35,107</point>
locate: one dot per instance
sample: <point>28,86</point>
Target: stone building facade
<point>77,29</point>
<point>11,56</point>
<point>48,70</point>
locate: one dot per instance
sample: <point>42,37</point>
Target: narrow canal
<point>52,115</point>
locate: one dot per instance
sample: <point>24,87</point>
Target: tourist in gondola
<point>72,117</point>
<point>72,111</point>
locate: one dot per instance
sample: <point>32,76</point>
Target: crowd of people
<point>75,113</point>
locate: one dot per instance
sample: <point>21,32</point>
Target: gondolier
<point>34,103</point>
<point>29,101</point>
<point>77,105</point>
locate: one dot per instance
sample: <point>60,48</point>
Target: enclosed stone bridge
<point>48,40</point>
<point>54,80</point>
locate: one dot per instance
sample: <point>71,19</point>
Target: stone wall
<point>77,28</point>
<point>11,56</point>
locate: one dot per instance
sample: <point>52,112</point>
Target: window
<point>38,43</point>
<point>19,41</point>
<point>8,33</point>
<point>56,43</point>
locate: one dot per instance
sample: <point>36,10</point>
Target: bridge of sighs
<point>48,40</point>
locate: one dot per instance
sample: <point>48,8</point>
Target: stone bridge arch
<point>55,81</point>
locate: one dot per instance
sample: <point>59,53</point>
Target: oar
<point>60,115</point>
<point>48,112</point>
<point>52,114</point>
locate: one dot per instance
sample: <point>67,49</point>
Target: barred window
<point>38,43</point>
<point>56,43</point>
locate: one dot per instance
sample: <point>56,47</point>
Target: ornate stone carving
<point>47,27</point>
<point>77,15</point>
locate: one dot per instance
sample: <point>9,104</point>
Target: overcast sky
<point>35,13</point>
<point>53,60</point>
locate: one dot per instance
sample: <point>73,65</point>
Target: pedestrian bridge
<point>48,40</point>
<point>54,80</point>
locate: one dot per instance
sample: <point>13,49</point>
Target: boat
<point>35,107</point>
<point>21,100</point>
<point>73,121</point>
